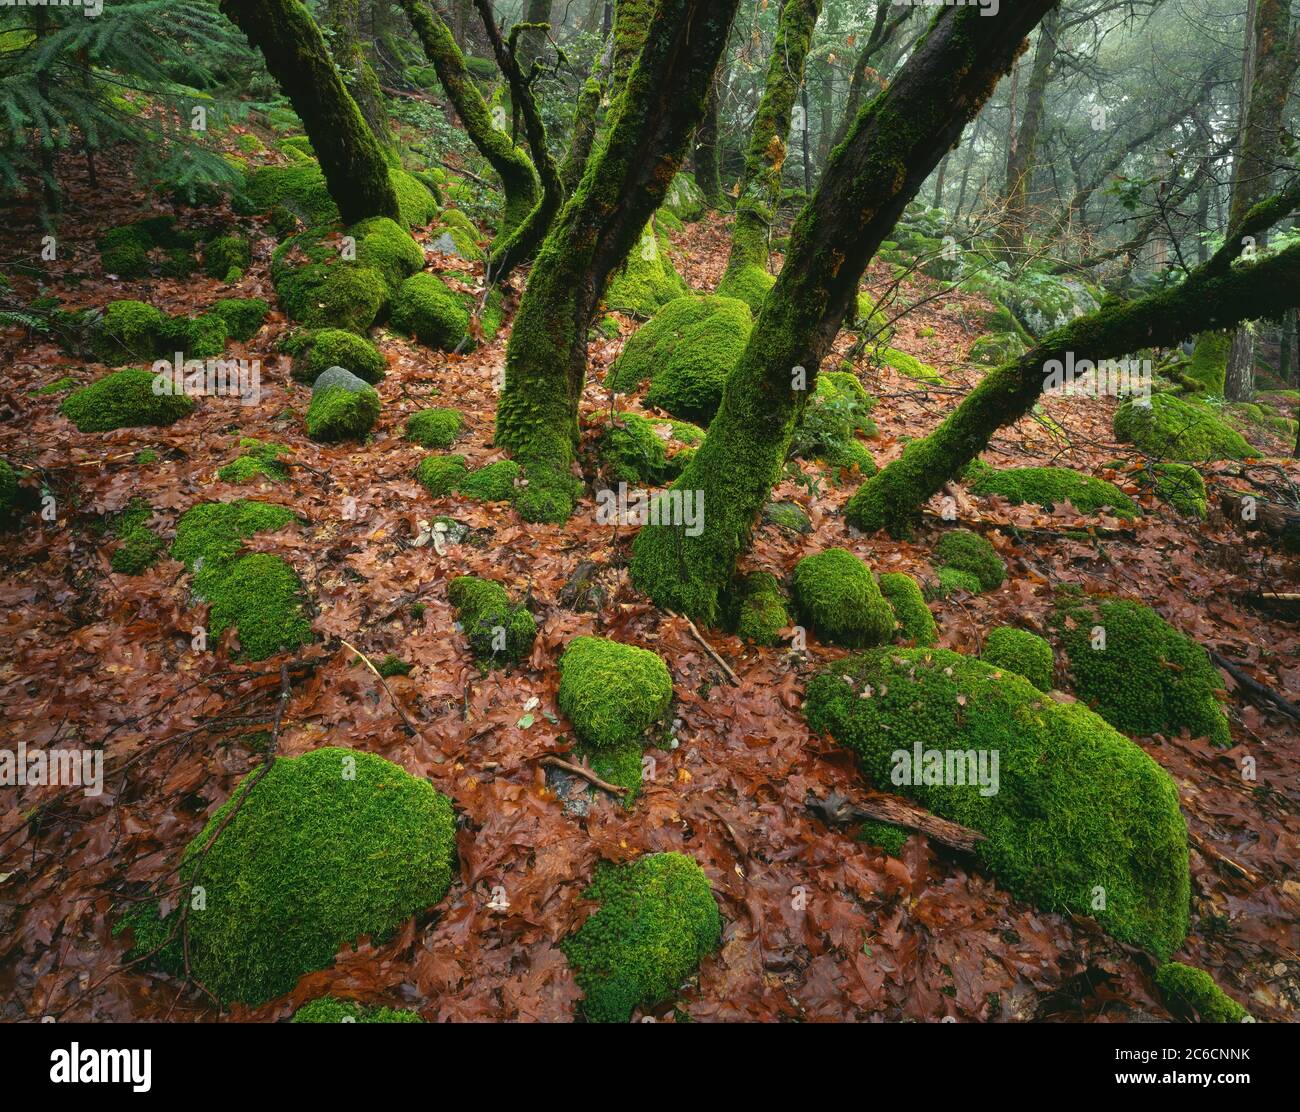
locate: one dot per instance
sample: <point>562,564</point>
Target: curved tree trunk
<point>515,169</point>
<point>894,145</point>
<point>296,56</point>
<point>625,183</point>
<point>344,17</point>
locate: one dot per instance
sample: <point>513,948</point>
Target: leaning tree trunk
<point>1216,295</point>
<point>1268,78</point>
<point>350,157</point>
<point>345,17</point>
<point>625,183</point>
<point>890,151</point>
<point>515,169</point>
<point>632,19</point>
<point>760,185</point>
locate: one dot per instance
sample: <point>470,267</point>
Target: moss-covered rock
<point>1192,994</point>
<point>498,631</point>
<point>140,546</point>
<point>685,199</point>
<point>493,483</point>
<point>301,189</point>
<point>1180,485</point>
<point>330,1009</point>
<point>1049,487</point>
<point>632,451</point>
<point>837,597</point>
<point>648,281</point>
<point>319,286</point>
<point>441,475</point>
<point>337,347</point>
<point>1208,367</point>
<point>612,693</point>
<point>128,333</point>
<point>969,552</point>
<point>656,921</point>
<point>912,618</point>
<point>243,316</point>
<point>1136,670</point>
<point>121,400</point>
<point>839,408</point>
<point>225,253</point>
<point>952,580</point>
<point>1081,821</point>
<point>341,409</point>
<point>126,250</point>
<point>200,337</point>
<point>1023,652</point>
<point>760,608</point>
<point>686,350</point>
<point>748,282</point>
<point>1175,428</point>
<point>908,365</point>
<point>456,234</point>
<point>429,310</point>
<point>996,348</point>
<point>789,516</point>
<point>383,245</point>
<point>257,460</point>
<point>434,428</point>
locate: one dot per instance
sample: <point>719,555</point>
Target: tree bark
<point>892,148</point>
<point>350,156</point>
<point>625,183</point>
<point>350,55</point>
<point>585,118</point>
<point>704,153</point>
<point>1022,159</point>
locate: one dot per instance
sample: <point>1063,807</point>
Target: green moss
<point>431,312</point>
<point>631,451</point>
<point>434,428</point>
<point>498,632</point>
<point>393,666</point>
<point>493,483</point>
<point>890,838</point>
<point>384,246</point>
<point>913,619</point>
<point>648,281</point>
<point>199,337</point>
<point>969,552</point>
<point>329,1009</point>
<point>1052,486</point>
<point>326,848</point>
<point>58,386</point>
<point>1023,652</point>
<point>320,288</point>
<point>686,351</point>
<point>337,413</point>
<point>611,692</point>
<point>838,408</point>
<point>1208,367</point>
<point>463,234</point>
<point>685,199</point>
<point>8,490</point>
<point>258,461</point>
<point>909,366</point>
<point>789,516</point>
<point>301,189</point>
<point>749,283</point>
<point>1182,486</point>
<point>417,204</point>
<point>547,493</point>
<point>852,456</point>
<point>128,333</point>
<point>1148,678</point>
<point>760,609</point>
<point>656,921</point>
<point>837,596</point>
<point>619,764</point>
<point>1177,429</point>
<point>1192,994</point>
<point>995,348</point>
<point>440,475</point>
<point>225,252</point>
<point>124,250</point>
<point>952,580</point>
<point>337,347</point>
<point>243,316</point>
<point>123,399</point>
<point>141,546</point>
<point>1081,815</point>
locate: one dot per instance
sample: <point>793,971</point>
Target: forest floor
<point>818,926</point>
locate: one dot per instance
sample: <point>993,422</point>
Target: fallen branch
<point>838,810</point>
<point>735,680</point>
<point>410,726</point>
<point>1261,693</point>
<point>585,773</point>
<point>1209,851</point>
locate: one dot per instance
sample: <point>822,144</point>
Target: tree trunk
<point>350,56</point>
<point>760,186</point>
<point>1216,295</point>
<point>892,148</point>
<point>515,169</point>
<point>632,19</point>
<point>625,183</point>
<point>531,42</point>
<point>882,30</point>
<point>1021,162</point>
<point>296,56</point>
<point>704,155</point>
<point>585,119</point>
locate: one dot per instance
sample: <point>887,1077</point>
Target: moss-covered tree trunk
<point>760,185</point>
<point>1216,295</point>
<point>625,182</point>
<point>350,56</point>
<point>586,116</point>
<point>296,56</point>
<point>704,151</point>
<point>519,180</point>
<point>890,151</point>
<point>632,19</point>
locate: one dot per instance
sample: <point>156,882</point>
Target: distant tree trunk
<point>531,43</point>
<point>890,151</point>
<point>882,31</point>
<point>704,153</point>
<point>1268,76</point>
<point>1022,159</point>
<point>518,177</point>
<point>938,181</point>
<point>350,56</point>
<point>1289,360</point>
<point>760,187</point>
<point>625,183</point>
<point>296,55</point>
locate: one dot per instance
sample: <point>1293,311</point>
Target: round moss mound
<point>1079,819</point>
<point>1174,428</point>
<point>320,288</point>
<point>1022,652</point>
<point>493,483</point>
<point>648,281</point>
<point>1137,671</point>
<point>226,253</point>
<point>747,282</point>
<point>631,450</point>
<point>337,413</point>
<point>1051,486</point>
<point>330,1009</point>
<point>123,400</point>
<point>1192,994</point>
<point>838,598</point>
<point>760,609</point>
<point>656,921</point>
<point>426,308</point>
<point>440,475</point>
<point>328,846</point>
<point>498,632</point>
<point>383,245</point>
<point>912,617</point>
<point>127,333</point>
<point>434,428</point>
<point>952,580</point>
<point>839,408</point>
<point>336,347</point>
<point>963,550</point>
<point>243,316</point>
<point>611,692</point>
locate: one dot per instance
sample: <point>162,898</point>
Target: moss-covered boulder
<point>383,245</point>
<point>1192,994</point>
<point>686,351</point>
<point>256,461</point>
<point>962,550</point>
<point>950,581</point>
<point>493,483</point>
<point>1179,485</point>
<point>128,333</point>
<point>748,282</point>
<point>200,337</point>
<point>789,516</point>
<point>908,365</point>
<point>434,428</point>
<point>685,199</point>
<point>1170,427</point>
<point>632,450</point>
<point>656,921</point>
<point>912,618</point>
<point>760,608</point>
<point>343,406</point>
<point>429,310</point>
<point>121,400</point>
<point>226,253</point>
<point>441,475</point>
<point>1136,670</point>
<point>336,347</point>
<point>330,1009</point>
<point>243,316</point>
<point>140,547</point>
<point>499,632</point>
<point>134,250</point>
<point>837,597</point>
<point>996,348</point>
<point>302,190</point>
<point>1076,817</point>
<point>611,692</point>
<point>456,234</point>
<point>648,280</point>
<point>1023,652</point>
<point>1049,487</point>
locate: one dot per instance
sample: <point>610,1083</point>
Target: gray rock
<point>339,376</point>
<point>446,245</point>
